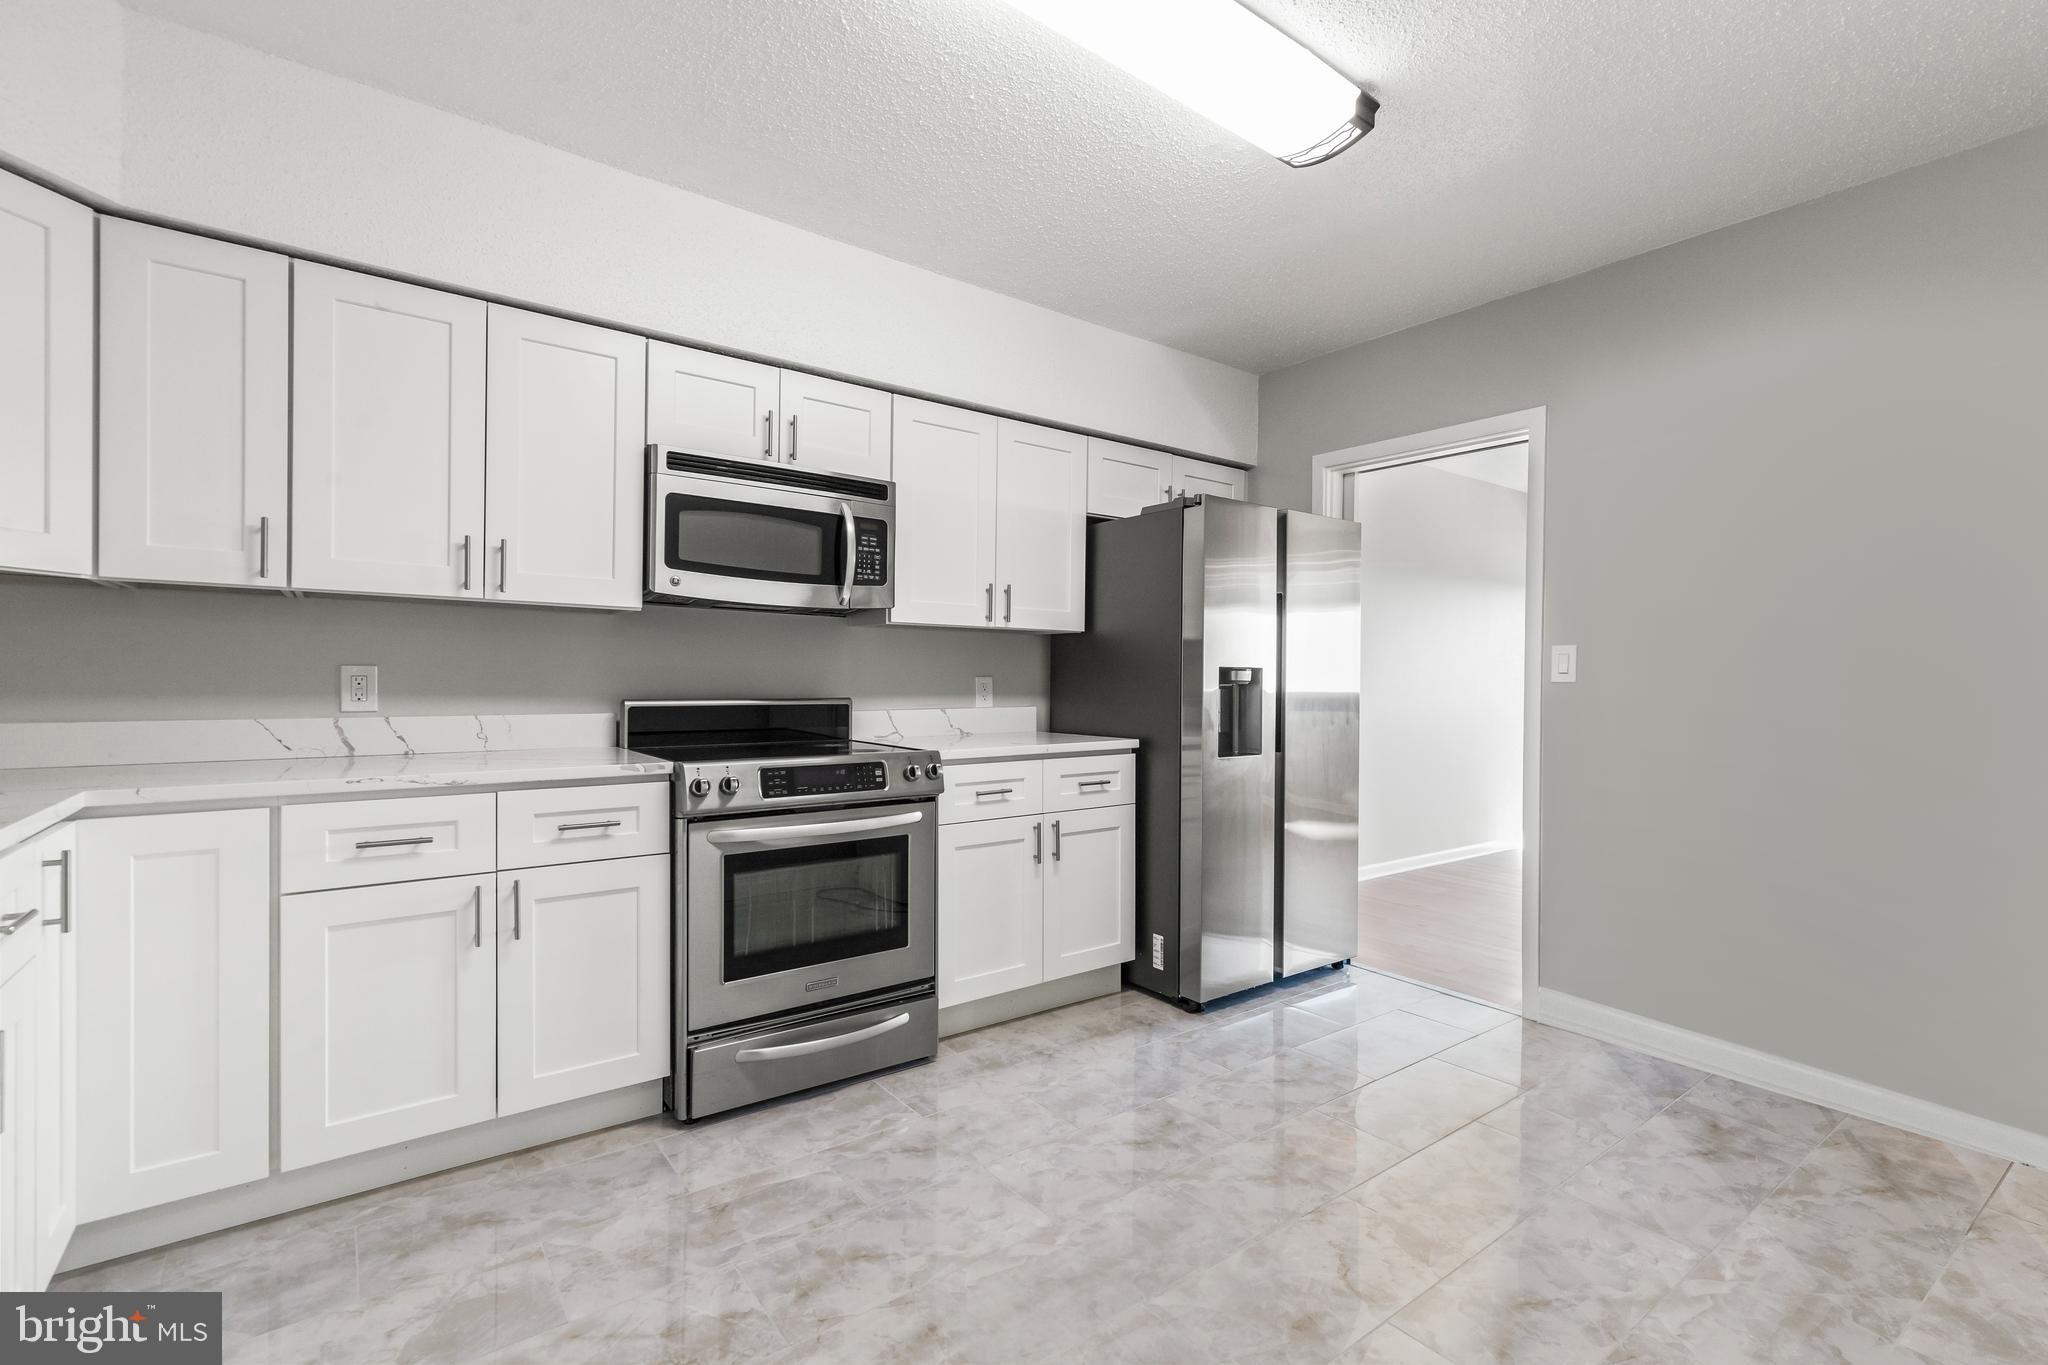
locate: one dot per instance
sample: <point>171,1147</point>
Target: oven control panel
<point>834,779</point>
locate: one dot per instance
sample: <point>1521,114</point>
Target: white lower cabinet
<point>1046,890</point>
<point>54,858</point>
<point>20,1020</point>
<point>174,1050</point>
<point>991,907</point>
<point>583,980</point>
<point>1091,889</point>
<point>387,1015</point>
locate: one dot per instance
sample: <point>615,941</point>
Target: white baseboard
<point>1443,855</point>
<point>1788,1077</point>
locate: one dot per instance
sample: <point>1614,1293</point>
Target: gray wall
<point>76,651</point>
<point>1440,674</point>
<point>1797,475</point>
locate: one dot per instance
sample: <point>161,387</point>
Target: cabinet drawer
<point>361,843</point>
<point>551,825</point>
<point>992,790</point>
<point>1091,780</point>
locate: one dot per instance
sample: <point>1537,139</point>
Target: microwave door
<point>750,546</point>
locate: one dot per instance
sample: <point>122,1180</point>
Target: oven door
<point>804,907</point>
<point>755,545</point>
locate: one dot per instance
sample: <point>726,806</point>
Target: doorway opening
<point>1450,641</point>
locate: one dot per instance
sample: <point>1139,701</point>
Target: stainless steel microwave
<point>731,533</point>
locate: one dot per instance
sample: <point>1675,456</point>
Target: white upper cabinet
<point>833,425</point>
<point>1123,480</point>
<point>565,436</point>
<point>195,339</point>
<point>1041,527</point>
<point>46,380</point>
<point>945,466</point>
<point>711,404</point>
<point>387,436</point>
<point>1191,477</point>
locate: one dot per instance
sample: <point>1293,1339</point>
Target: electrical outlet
<point>358,687</point>
<point>984,691</point>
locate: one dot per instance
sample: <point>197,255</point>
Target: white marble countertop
<point>34,799</point>
<point>955,747</point>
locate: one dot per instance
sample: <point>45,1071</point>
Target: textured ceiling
<point>1522,141</point>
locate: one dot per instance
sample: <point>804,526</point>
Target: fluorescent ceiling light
<point>1225,63</point>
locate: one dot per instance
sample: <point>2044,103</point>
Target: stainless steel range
<point>806,867</point>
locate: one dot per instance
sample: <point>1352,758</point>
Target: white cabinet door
<point>709,404</point>
<point>831,424</point>
<point>195,342</point>
<point>57,1050</point>
<point>583,980</point>
<point>387,436</point>
<point>46,379</point>
<point>20,1055</point>
<point>387,1016</point>
<point>991,907</point>
<point>1191,477</point>
<point>1041,527</point>
<point>174,1052</point>
<point>1091,889</point>
<point>566,438</point>
<point>945,462</point>
<point>1124,480</point>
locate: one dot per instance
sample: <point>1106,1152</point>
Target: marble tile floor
<point>1341,1168</point>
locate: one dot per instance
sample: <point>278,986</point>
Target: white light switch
<point>358,687</point>
<point>1564,663</point>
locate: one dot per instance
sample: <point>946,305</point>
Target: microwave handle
<point>846,570</point>
<point>774,834</point>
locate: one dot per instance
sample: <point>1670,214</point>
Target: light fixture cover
<point>1225,63</point>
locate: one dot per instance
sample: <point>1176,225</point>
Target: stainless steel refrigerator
<point>1223,636</point>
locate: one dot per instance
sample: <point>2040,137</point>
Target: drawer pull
<point>805,1049</point>
<point>16,920</point>
<point>992,791</point>
<point>395,843</point>
<point>1096,782</point>
<point>589,824</point>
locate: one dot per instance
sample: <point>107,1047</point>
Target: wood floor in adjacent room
<point>1457,926</point>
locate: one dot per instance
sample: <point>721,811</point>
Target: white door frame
<point>1327,489</point>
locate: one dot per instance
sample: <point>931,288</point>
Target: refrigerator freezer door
<point>1319,737</point>
<point>1231,624</point>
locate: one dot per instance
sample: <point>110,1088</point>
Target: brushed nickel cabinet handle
<point>1038,841</point>
<point>589,824</point>
<point>515,909</point>
<point>395,843</point>
<point>1055,841</point>
<point>16,920</point>
<point>63,866</point>
<point>1006,602</point>
<point>476,902</point>
<point>1088,782</point>
<point>504,560</point>
<point>465,562</point>
<point>993,791</point>
<point>988,612</point>
<point>768,435</point>
<point>792,438</point>
<point>263,547</point>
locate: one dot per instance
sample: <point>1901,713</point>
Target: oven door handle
<point>846,570</point>
<point>837,1040</point>
<point>769,834</point>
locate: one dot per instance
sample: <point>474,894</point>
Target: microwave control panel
<point>824,779</point>
<point>870,553</point>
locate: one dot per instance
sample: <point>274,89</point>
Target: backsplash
<point>925,722</point>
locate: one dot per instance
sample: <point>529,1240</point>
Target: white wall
<point>1794,490</point>
<point>60,90</point>
<point>225,137</point>
<point>1440,713</point>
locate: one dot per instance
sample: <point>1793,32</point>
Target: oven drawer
<point>548,825</point>
<point>993,790</point>
<point>1083,783</point>
<point>796,1056</point>
<point>330,844</point>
